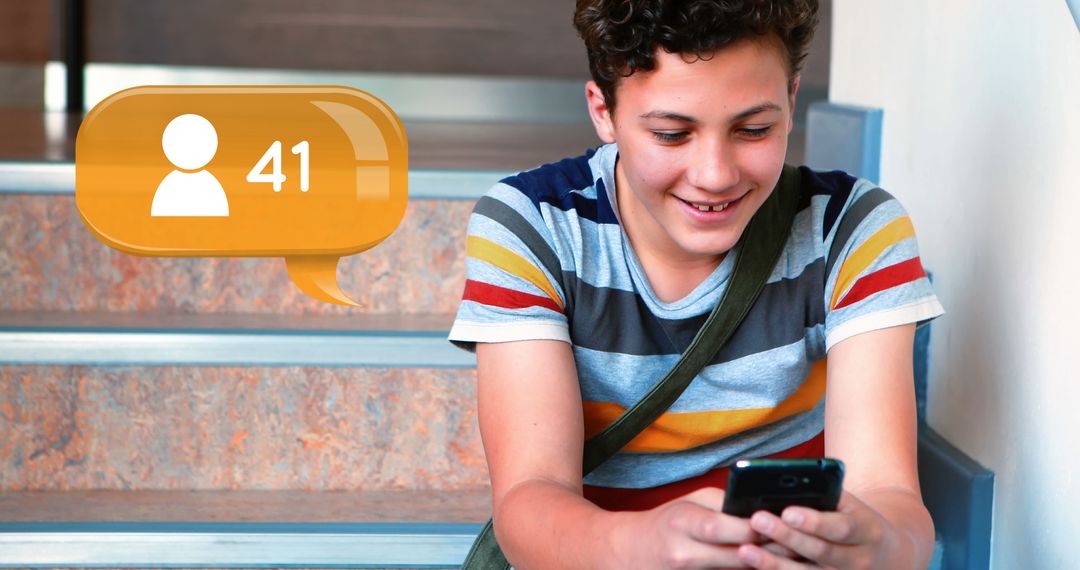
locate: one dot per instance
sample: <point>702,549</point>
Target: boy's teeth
<point>705,208</point>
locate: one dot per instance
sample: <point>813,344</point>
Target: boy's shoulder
<point>836,185</point>
<point>555,178</point>
<point>837,196</point>
<point>570,186</point>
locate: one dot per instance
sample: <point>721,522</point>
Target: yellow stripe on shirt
<point>686,430</point>
<point>896,231</point>
<point>497,255</point>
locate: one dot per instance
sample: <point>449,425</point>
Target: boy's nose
<point>712,167</point>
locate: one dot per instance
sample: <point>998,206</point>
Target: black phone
<point>774,484</point>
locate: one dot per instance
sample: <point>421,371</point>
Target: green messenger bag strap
<point>757,254</point>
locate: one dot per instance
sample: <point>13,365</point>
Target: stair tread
<point>43,136</point>
<point>223,322</point>
<point>216,339</point>
<point>239,529</point>
<point>382,506</point>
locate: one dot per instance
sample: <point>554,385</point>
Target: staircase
<point>205,413</point>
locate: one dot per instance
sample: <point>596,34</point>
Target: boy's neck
<point>672,273</point>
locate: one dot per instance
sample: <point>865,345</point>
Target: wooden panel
<point>420,36</point>
<point>959,493</point>
<point>844,137</point>
<point>24,31</point>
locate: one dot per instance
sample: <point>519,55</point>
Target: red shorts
<point>616,499</point>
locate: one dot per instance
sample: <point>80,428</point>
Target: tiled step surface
<point>237,428</point>
<point>50,261</point>
<point>239,528</point>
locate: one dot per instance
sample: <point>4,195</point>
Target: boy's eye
<point>756,132</point>
<point>669,136</point>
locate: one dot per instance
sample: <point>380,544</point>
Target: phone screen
<point>774,484</point>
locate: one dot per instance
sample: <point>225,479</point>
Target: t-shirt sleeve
<point>875,277</point>
<point>513,287</point>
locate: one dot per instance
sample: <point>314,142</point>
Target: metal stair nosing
<point>163,347</point>
<point>223,545</point>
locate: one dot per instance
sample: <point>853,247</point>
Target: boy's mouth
<point>709,206</point>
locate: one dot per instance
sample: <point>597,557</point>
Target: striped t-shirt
<point>548,259</point>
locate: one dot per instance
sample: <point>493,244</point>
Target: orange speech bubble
<point>310,174</point>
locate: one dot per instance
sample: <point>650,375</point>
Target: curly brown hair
<point>622,36</point>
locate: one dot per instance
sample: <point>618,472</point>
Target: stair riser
<point>50,261</point>
<point>174,428</point>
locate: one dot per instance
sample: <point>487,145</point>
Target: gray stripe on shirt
<point>513,221</point>
<point>854,216</point>
<point>611,320</point>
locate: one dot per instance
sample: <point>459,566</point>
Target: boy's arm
<point>870,424</point>
<point>532,426</point>
<point>873,419</point>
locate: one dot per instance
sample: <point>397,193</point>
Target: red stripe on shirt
<point>618,499</point>
<point>887,278</point>
<point>506,298</point>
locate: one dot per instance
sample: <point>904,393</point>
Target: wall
<point>488,37</point>
<point>982,144</point>
<point>24,47</point>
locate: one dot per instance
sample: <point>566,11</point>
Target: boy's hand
<point>688,532</point>
<point>851,538</point>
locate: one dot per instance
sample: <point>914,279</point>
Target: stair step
<point>239,528</point>
<point>319,402</point>
<point>115,339</point>
<point>49,261</point>
<point>294,428</point>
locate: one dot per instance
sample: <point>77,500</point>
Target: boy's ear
<point>791,101</point>
<point>599,112</point>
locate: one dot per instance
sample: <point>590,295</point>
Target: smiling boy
<point>587,278</point>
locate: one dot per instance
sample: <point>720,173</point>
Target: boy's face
<point>711,133</point>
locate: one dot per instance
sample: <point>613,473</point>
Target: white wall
<point>982,144</point>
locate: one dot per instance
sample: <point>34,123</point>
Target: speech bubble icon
<point>310,174</point>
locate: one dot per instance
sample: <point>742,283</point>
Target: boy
<point>587,279</point>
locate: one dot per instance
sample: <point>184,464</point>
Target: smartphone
<point>774,484</point>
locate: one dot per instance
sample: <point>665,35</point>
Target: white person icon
<point>190,142</point>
